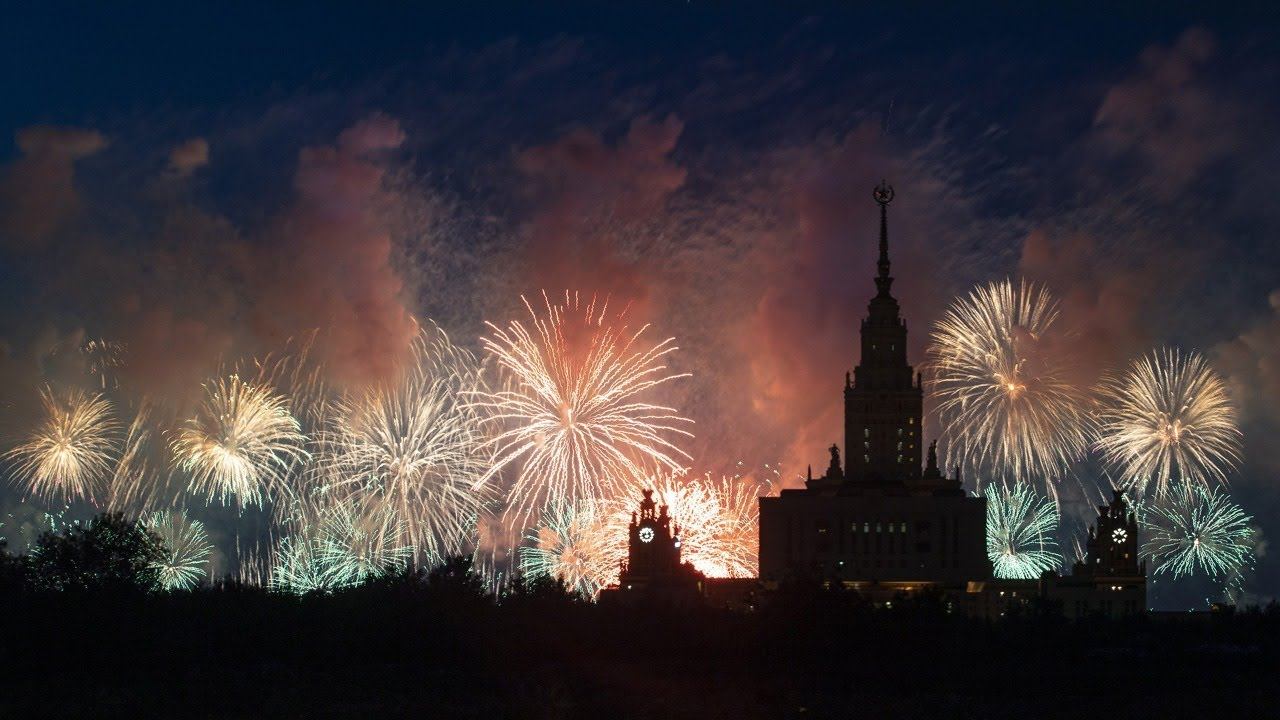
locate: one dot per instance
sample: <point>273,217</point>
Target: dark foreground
<point>438,647</point>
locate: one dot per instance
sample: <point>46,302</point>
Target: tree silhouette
<point>109,553</point>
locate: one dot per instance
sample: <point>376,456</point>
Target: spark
<point>576,421</point>
<point>1021,532</point>
<point>241,444</point>
<point>1167,418</point>
<point>72,449</point>
<point>186,549</point>
<point>104,358</point>
<point>999,384</point>
<point>1195,529</point>
<point>417,445</point>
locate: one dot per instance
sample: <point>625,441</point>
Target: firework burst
<point>72,449</point>
<point>1198,530</point>
<point>578,546</point>
<point>1021,532</point>
<point>296,569</point>
<point>185,560</point>
<point>999,384</point>
<point>416,445</point>
<point>241,444</point>
<point>576,422</point>
<point>1167,418</point>
<point>360,540</point>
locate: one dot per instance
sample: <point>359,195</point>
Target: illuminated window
<point>866,458</point>
<point>866,445</point>
<point>866,432</point>
<point>911,421</point>
<point>899,446</point>
<point>899,432</point>
<point>904,527</point>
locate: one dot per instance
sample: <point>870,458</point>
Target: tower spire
<point>883,195</point>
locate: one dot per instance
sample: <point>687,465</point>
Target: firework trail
<point>1021,532</point>
<point>578,546</point>
<point>417,446</point>
<point>185,561</point>
<point>575,421</point>
<point>72,449</point>
<point>241,445</point>
<point>359,540</point>
<point>999,385</point>
<point>1167,418</point>
<point>1195,529</point>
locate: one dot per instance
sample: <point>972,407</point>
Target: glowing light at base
<point>1022,531</point>
<point>997,378</point>
<point>72,449</point>
<point>1197,531</point>
<point>241,444</point>
<point>1167,418</point>
<point>577,424</point>
<point>185,560</point>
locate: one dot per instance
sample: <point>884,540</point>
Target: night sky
<point>202,184</point>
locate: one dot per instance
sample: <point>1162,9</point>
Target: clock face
<point>646,534</point>
<point>1119,534</point>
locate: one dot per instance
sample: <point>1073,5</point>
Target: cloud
<point>185,158</point>
<point>37,192</point>
<point>1251,364</point>
<point>1166,118</point>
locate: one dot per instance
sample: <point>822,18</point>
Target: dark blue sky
<point>202,182</point>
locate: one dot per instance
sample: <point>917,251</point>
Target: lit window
<point>899,446</point>
<point>866,458</point>
<point>899,432</point>
<point>904,527</point>
<point>911,421</point>
<point>866,432</point>
<point>866,445</point>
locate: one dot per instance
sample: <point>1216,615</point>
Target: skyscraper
<point>880,522</point>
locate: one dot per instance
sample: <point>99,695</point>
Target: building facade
<point>880,522</point>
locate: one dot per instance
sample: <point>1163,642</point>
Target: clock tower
<point>1112,547</point>
<point>653,571</point>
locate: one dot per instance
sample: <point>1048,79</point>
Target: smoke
<point>592,202</point>
<point>37,192</point>
<point>328,257</point>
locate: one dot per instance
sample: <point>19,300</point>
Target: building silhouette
<point>880,523</point>
<point>1110,580</point>
<point>653,571</point>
